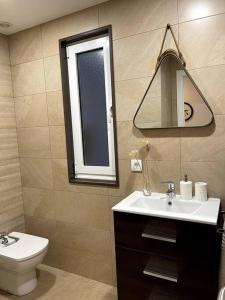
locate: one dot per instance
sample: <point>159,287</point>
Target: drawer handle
<point>158,237</point>
<point>157,275</point>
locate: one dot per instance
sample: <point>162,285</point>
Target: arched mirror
<point>172,98</point>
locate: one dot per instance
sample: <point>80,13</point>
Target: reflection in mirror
<point>172,98</point>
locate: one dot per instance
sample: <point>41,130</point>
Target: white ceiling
<point>27,13</point>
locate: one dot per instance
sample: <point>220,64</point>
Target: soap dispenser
<point>186,188</point>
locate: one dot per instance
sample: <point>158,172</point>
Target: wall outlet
<point>136,165</point>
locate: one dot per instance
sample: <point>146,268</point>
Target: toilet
<point>20,254</point>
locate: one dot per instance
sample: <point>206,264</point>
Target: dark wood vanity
<point>160,259</point>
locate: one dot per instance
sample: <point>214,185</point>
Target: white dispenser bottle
<point>186,189</point>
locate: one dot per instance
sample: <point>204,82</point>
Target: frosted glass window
<point>91,76</point>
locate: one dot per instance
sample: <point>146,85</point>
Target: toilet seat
<point>27,247</point>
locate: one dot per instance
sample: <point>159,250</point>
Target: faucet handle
<point>171,185</point>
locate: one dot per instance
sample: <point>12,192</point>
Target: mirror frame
<point>166,53</point>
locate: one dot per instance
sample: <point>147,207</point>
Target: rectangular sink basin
<point>157,205</point>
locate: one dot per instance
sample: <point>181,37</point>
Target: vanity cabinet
<point>160,259</point>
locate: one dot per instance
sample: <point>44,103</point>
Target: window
<point>89,107</point>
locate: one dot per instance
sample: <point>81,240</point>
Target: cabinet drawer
<point>145,233</point>
<point>139,278</point>
<point>142,276</point>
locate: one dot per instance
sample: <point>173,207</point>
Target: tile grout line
<point>50,146</point>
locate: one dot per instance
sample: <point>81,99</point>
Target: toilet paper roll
<point>201,191</point>
<point>186,190</point>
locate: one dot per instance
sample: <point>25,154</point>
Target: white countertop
<point>156,205</point>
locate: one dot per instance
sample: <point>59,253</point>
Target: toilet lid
<point>27,247</point>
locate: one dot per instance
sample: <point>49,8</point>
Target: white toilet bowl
<point>18,262</point>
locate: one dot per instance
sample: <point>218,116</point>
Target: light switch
<point>136,165</point>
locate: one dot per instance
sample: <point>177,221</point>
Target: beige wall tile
<point>41,227</point>
<point>28,78</point>
<point>160,171</point>
<point>211,82</point>
<point>25,46</point>
<point>129,94</point>
<point>31,110</point>
<point>136,56</point>
<point>36,172</point>
<point>7,113</point>
<point>95,266</point>
<point>51,33</point>
<point>39,203</point>
<point>4,50</point>
<point>202,42</point>
<point>129,181</point>
<point>12,214</point>
<point>162,146</point>
<point>66,26</point>
<point>210,172</point>
<point>194,9</point>
<point>58,141</point>
<point>55,108</point>
<point>8,144</point>
<point>83,238</point>
<point>130,17</point>
<point>206,145</point>
<point>5,81</point>
<point>61,181</point>
<point>90,211</point>
<point>52,73</point>
<point>34,142</point>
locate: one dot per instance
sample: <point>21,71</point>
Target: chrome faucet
<point>171,192</point>
<point>4,238</point>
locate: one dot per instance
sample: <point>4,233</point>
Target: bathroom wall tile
<point>162,146</point>
<point>7,113</point>
<point>41,227</point>
<point>136,56</point>
<point>210,172</point>
<point>129,94</point>
<point>55,108</point>
<point>130,17</point>
<point>11,215</point>
<point>4,50</point>
<point>112,201</point>
<point>5,81</point>
<point>28,78</point>
<point>39,203</point>
<point>25,46</point>
<point>95,266</point>
<point>58,141</point>
<point>8,144</point>
<point>114,275</point>
<point>36,172</point>
<point>51,33</point>
<point>80,21</point>
<point>194,9</point>
<point>66,26</point>
<point>31,110</point>
<point>61,181</point>
<point>90,211</point>
<point>204,144</point>
<point>83,238</point>
<point>52,73</point>
<point>129,181</point>
<point>202,42</point>
<point>34,142</point>
<point>160,171</point>
<point>211,82</point>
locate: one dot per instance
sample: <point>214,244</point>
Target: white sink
<point>157,205</point>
